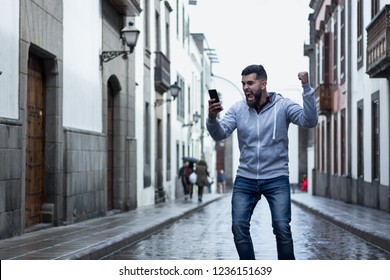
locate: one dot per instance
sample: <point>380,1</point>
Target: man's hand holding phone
<point>214,104</point>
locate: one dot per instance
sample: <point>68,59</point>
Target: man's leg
<point>244,200</point>
<point>277,192</point>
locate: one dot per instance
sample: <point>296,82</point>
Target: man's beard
<point>254,103</point>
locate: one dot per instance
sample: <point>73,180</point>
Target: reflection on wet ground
<point>206,235</point>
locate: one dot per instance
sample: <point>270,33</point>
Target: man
<point>262,122</point>
<point>181,175</point>
<point>221,181</point>
<point>202,174</point>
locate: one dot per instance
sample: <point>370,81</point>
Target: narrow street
<point>206,235</point>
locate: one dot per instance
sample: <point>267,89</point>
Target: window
<point>177,19</point>
<point>178,160</point>
<point>375,133</point>
<point>168,148</point>
<point>323,54</point>
<point>342,44</point>
<point>317,150</point>
<point>374,7</point>
<point>158,32</point>
<point>360,142</point>
<point>180,100</point>
<point>360,30</point>
<point>147,145</point>
<point>167,32</point>
<point>146,25</point>
<point>318,64</point>
<point>183,26</point>
<point>189,107</point>
<point>335,146</point>
<point>323,146</point>
<point>343,143</point>
<point>167,42</point>
<point>327,58</point>
<point>335,48</point>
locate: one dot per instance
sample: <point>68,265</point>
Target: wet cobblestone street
<point>206,235</point>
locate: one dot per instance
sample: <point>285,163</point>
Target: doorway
<point>110,147</point>
<point>35,141</point>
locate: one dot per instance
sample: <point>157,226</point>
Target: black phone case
<point>214,95</point>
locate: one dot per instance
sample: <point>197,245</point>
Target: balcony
<point>162,73</point>
<point>378,45</point>
<point>323,96</point>
<point>127,7</point>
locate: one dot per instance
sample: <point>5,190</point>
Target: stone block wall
<point>10,179</point>
<point>85,176</point>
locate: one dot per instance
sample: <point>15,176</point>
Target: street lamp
<point>174,91</point>
<point>130,36</point>
<point>195,118</point>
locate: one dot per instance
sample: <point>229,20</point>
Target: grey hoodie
<point>263,137</point>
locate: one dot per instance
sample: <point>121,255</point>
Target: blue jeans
<point>246,194</point>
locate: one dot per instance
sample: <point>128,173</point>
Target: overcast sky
<point>267,32</point>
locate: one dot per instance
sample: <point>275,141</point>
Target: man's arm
<point>308,115</point>
<point>309,102</point>
<point>220,129</point>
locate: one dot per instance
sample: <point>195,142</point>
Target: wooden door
<point>35,141</point>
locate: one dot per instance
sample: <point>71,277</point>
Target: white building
<point>81,126</point>
<point>165,125</point>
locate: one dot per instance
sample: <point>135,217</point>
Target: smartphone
<point>214,95</point>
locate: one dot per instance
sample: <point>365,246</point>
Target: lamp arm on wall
<point>109,55</point>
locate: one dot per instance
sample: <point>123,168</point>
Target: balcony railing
<point>323,94</point>
<point>162,73</point>
<point>378,45</point>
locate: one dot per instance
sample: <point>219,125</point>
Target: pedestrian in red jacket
<point>304,183</point>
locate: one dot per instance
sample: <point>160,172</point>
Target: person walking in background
<point>202,177</point>
<point>304,183</point>
<point>182,178</point>
<point>262,122</point>
<point>221,180</point>
<point>189,185</point>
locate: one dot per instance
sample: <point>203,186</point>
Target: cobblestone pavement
<point>206,235</point>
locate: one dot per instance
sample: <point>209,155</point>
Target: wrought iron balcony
<point>127,7</point>
<point>162,73</point>
<point>323,94</point>
<point>378,45</point>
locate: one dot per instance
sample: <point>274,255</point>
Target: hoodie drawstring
<point>274,132</point>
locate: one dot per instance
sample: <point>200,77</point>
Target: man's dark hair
<point>261,74</point>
